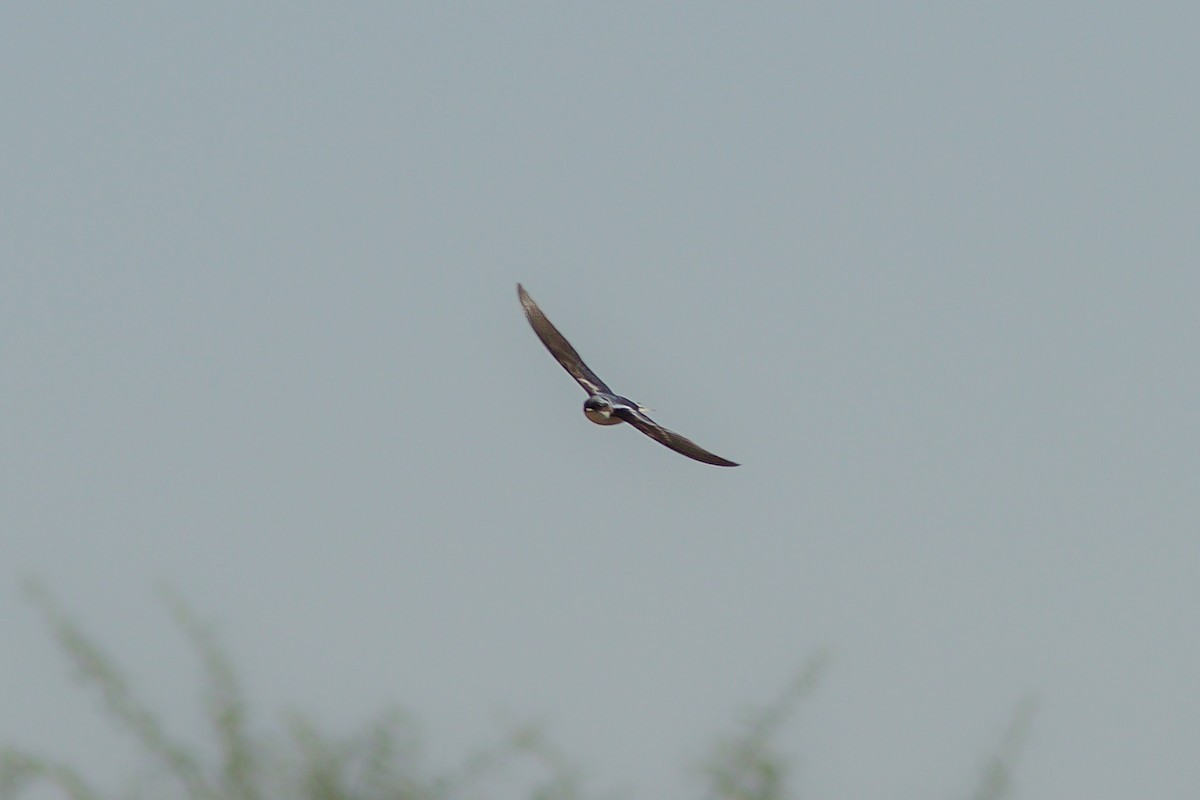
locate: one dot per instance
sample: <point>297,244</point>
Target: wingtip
<point>523,296</point>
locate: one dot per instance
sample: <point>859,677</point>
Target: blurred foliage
<point>382,760</point>
<point>997,780</point>
<point>746,765</point>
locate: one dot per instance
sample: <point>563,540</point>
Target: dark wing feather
<point>671,439</point>
<point>559,347</point>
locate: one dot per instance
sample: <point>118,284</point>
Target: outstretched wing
<point>559,347</point>
<point>679,444</point>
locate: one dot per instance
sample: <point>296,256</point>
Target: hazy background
<point>930,272</point>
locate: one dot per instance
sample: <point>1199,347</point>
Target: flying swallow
<point>603,406</point>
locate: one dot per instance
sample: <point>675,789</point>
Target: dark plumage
<point>603,406</point>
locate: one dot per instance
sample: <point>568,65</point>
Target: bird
<point>603,406</point>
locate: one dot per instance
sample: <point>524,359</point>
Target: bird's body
<point>603,406</point>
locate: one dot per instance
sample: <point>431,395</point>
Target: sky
<point>928,271</point>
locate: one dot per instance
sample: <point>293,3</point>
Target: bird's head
<point>600,411</point>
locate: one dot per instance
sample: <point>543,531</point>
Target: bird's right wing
<point>559,347</point>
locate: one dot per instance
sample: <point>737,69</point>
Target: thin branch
<point>99,670</point>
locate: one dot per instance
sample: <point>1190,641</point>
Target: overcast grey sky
<point>929,271</point>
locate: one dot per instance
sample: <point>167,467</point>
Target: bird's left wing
<point>680,444</point>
